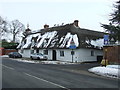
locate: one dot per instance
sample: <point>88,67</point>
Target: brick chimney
<point>76,23</point>
<point>46,26</point>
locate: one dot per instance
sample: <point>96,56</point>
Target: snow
<point>108,71</point>
<point>75,38</point>
<point>48,35</point>
<point>4,56</point>
<point>35,35</point>
<point>28,41</point>
<point>56,62</point>
<point>67,37</point>
<point>51,36</point>
<point>67,40</point>
<point>98,42</point>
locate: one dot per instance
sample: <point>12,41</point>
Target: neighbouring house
<point>55,43</point>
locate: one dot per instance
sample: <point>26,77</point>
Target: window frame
<point>62,53</point>
<point>92,53</point>
<point>45,52</point>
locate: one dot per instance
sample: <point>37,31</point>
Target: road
<point>25,75</point>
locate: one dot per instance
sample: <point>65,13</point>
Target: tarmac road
<point>25,75</point>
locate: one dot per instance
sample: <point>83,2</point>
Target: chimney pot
<point>76,23</point>
<point>46,26</point>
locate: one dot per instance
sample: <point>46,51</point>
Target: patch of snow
<point>98,42</point>
<point>67,37</point>
<point>75,38</point>
<point>61,39</point>
<point>20,44</point>
<point>39,36</point>
<point>108,71</point>
<point>69,41</point>
<point>28,41</point>
<point>113,66</point>
<point>4,56</point>
<point>35,35</point>
<point>55,62</point>
<point>49,36</point>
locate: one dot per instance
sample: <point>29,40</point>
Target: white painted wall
<point>26,53</point>
<point>67,55</point>
<point>81,55</point>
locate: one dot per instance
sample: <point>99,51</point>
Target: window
<point>61,53</point>
<point>32,51</point>
<point>46,52</point>
<point>92,53</point>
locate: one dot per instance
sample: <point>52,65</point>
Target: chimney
<point>46,26</point>
<point>76,23</point>
<point>27,31</point>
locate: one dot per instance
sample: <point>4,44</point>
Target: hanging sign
<point>72,44</point>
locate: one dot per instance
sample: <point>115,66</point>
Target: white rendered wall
<point>81,55</point>
<point>26,53</point>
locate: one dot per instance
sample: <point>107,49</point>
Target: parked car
<point>39,56</point>
<point>14,55</point>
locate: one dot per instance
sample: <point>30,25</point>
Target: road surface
<point>27,75</point>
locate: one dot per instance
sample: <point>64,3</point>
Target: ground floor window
<point>32,51</point>
<point>46,52</point>
<point>92,53</point>
<point>62,53</point>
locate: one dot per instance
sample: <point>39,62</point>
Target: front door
<point>37,50</point>
<point>54,55</point>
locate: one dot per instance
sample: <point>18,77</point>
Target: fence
<point>112,53</point>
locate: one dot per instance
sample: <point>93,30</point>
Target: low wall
<point>9,50</point>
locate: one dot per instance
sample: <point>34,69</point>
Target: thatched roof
<point>61,36</point>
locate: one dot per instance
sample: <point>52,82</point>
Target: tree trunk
<point>13,38</point>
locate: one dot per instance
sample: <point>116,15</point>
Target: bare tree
<point>3,26</point>
<point>16,27</point>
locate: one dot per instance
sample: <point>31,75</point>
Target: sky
<point>37,13</point>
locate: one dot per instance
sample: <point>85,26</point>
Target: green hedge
<point>8,45</point>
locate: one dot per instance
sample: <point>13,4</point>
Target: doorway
<point>37,50</point>
<point>54,55</point>
<point>99,58</point>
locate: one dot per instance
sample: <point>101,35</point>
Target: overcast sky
<point>90,13</point>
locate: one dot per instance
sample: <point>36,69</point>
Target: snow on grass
<point>108,71</point>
